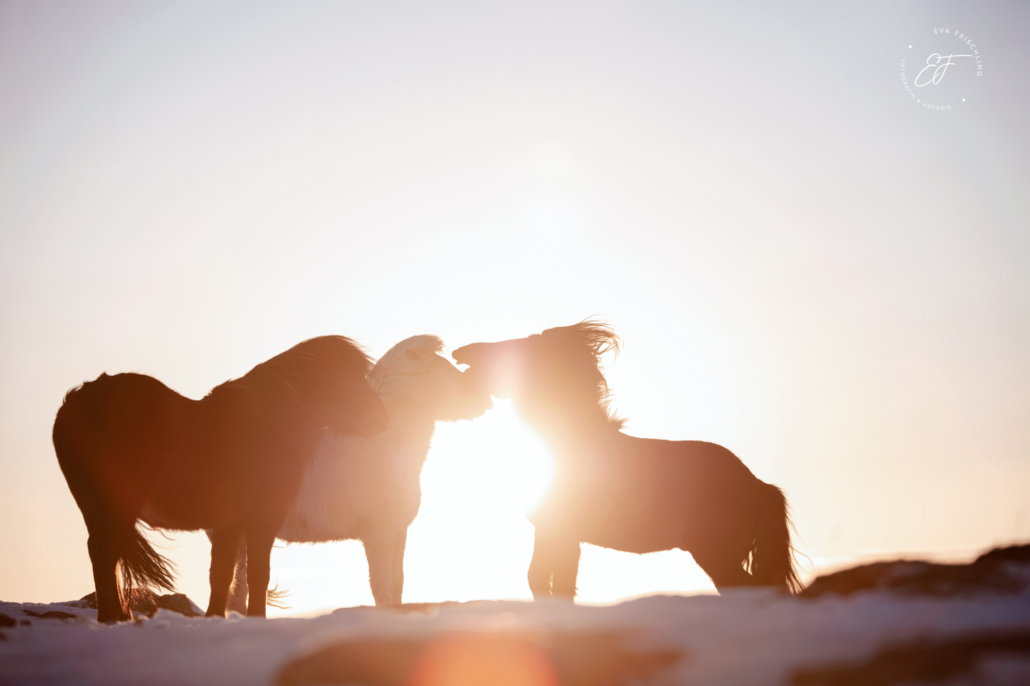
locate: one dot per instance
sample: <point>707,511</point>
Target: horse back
<point>643,495</point>
<point>699,468</point>
<point>106,432</point>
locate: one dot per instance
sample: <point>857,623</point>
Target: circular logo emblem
<point>940,69</point>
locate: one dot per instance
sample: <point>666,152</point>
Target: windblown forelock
<point>591,338</point>
<point>596,337</point>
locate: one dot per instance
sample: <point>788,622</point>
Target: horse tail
<point>111,534</point>
<point>142,567</point>
<point>772,553</point>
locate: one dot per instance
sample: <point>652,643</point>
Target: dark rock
<point>933,661</point>
<point>149,604</point>
<point>141,601</point>
<point>1019,554</point>
<point>144,603</point>
<point>5,620</point>
<point>176,602</point>
<point>52,614</point>
<point>568,658</point>
<point>1002,570</point>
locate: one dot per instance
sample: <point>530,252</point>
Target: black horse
<point>633,494</point>
<point>133,449</point>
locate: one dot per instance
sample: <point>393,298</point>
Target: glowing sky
<point>805,266</point>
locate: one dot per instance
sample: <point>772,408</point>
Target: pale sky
<point>805,265</point>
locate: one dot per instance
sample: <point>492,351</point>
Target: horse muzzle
<point>469,354</point>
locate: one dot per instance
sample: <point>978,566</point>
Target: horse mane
<point>279,391</point>
<point>401,375</point>
<point>587,342</point>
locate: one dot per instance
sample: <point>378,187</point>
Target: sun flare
<point>496,460</point>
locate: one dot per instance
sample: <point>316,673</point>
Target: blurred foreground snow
<point>742,638</point>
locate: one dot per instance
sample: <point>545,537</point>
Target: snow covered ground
<point>743,638</point>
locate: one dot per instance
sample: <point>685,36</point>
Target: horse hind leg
<point>103,554</point>
<point>124,566</point>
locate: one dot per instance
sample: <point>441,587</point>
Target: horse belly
<point>181,501</point>
<point>338,497</point>
<point>633,531</point>
<point>312,520</point>
<point>632,510</point>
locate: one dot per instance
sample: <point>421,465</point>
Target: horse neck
<point>409,430</point>
<point>569,427</point>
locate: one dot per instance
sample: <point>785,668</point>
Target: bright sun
<point>496,461</point>
<point>471,539</point>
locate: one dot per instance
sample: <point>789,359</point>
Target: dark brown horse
<point>633,494</point>
<point>133,449</point>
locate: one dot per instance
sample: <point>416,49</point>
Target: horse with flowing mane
<point>617,491</point>
<point>368,488</point>
<point>132,449</point>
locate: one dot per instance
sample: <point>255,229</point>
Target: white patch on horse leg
<point>238,590</point>
<point>379,552</point>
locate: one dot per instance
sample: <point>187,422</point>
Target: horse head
<point>454,394</point>
<point>556,370</point>
<point>500,368</point>
<point>414,369</point>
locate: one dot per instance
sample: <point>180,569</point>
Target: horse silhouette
<point>617,491</point>
<point>132,449</point>
<point>368,488</point>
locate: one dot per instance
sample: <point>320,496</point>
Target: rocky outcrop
<point>52,614</point>
<point>150,603</point>
<point>1002,570</point>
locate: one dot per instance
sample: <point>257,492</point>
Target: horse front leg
<point>238,590</point>
<point>400,542</point>
<point>260,539</point>
<point>541,566</point>
<point>225,544</point>
<point>379,551</point>
<point>565,562</point>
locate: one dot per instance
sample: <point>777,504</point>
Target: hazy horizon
<point>805,265</point>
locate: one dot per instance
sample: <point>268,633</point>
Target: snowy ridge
<point>741,639</point>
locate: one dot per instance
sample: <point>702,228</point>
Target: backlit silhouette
<point>133,449</point>
<point>368,488</point>
<point>633,494</point>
